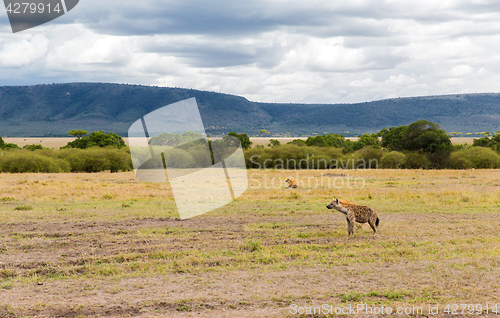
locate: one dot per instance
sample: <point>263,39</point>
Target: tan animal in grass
<point>355,213</point>
<point>291,183</point>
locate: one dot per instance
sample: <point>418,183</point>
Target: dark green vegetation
<point>78,133</point>
<point>66,160</point>
<point>98,152</point>
<point>244,139</point>
<point>53,110</point>
<point>97,139</point>
<point>4,145</point>
<point>421,144</point>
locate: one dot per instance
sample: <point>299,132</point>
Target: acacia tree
<point>78,133</point>
<point>97,139</point>
<point>244,139</point>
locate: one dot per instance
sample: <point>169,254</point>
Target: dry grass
<point>54,143</point>
<point>106,244</point>
<point>57,143</point>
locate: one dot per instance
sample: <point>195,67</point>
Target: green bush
<point>33,147</point>
<point>179,158</point>
<point>480,157</point>
<point>458,161</point>
<point>119,160</point>
<point>393,160</point>
<point>372,156</point>
<point>27,161</point>
<point>96,159</point>
<point>416,160</point>
<point>10,146</point>
<point>293,156</point>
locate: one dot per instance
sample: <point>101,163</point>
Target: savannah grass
<point>109,233</point>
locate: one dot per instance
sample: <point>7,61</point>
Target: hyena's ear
<point>337,201</point>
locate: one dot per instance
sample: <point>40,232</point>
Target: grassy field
<point>89,245</point>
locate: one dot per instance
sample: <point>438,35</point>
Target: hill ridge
<point>53,109</point>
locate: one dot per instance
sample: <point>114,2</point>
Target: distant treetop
<point>97,139</point>
<point>78,133</point>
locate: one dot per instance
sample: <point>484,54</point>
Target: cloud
<point>276,51</point>
<point>24,52</point>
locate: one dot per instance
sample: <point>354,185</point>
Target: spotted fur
<point>355,213</point>
<point>291,183</point>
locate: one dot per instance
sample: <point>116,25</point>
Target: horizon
<point>253,101</point>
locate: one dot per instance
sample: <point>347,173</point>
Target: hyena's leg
<point>350,226</point>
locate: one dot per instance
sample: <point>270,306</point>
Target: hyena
<point>291,183</point>
<point>355,212</point>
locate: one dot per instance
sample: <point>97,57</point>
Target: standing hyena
<point>355,212</point>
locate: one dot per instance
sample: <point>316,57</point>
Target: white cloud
<point>278,51</point>
<point>461,70</point>
<point>23,52</point>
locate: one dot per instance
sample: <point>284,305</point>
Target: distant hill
<point>52,110</point>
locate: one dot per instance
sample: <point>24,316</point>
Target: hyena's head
<point>334,204</point>
<point>288,180</point>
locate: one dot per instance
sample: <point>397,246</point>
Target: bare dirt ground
<point>106,245</point>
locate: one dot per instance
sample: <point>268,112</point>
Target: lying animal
<point>291,183</point>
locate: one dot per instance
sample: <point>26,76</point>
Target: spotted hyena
<point>355,212</point>
<point>291,183</point>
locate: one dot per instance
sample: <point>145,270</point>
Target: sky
<point>267,51</point>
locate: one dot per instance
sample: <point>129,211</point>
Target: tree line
<point>419,145</point>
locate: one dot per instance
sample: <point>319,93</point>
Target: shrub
<point>10,146</point>
<point>329,140</point>
<point>274,143</point>
<point>96,159</point>
<point>27,161</point>
<point>179,158</point>
<point>481,157</point>
<point>393,160</point>
<point>33,147</point>
<point>119,160</point>
<point>292,156</point>
<point>416,160</point>
<point>457,160</point>
<point>372,156</point>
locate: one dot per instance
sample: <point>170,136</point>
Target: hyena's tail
<point>376,222</point>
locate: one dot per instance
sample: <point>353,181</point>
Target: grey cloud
<point>214,53</point>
